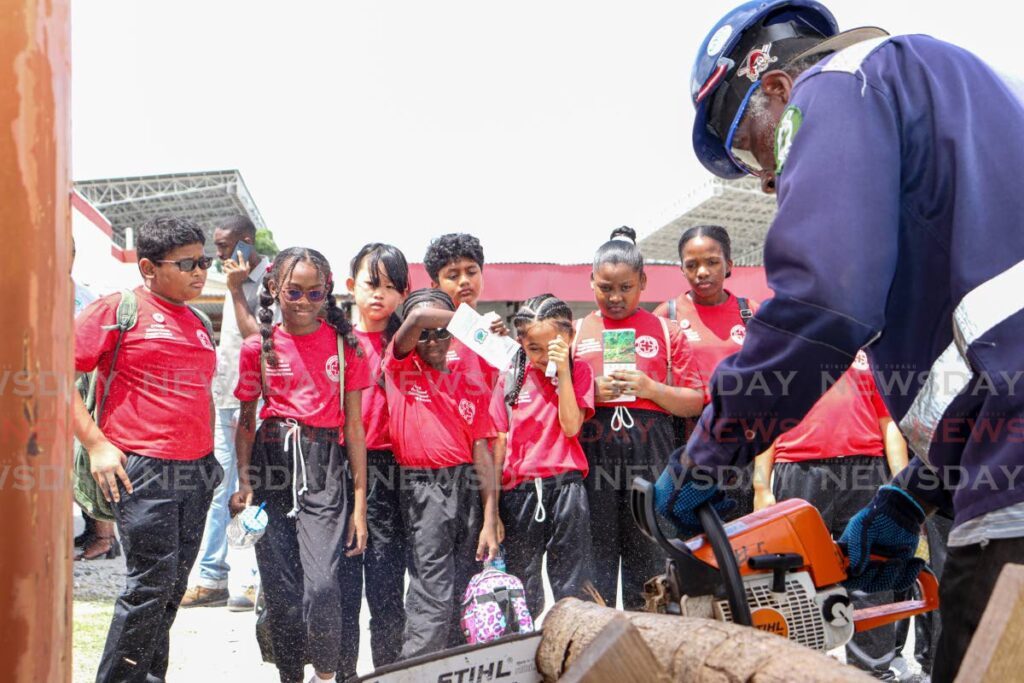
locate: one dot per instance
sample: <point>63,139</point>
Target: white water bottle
<point>247,527</point>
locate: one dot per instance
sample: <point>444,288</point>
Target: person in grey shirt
<point>235,242</point>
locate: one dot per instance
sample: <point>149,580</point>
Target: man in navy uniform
<point>900,228</point>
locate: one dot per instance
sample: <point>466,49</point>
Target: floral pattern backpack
<point>494,606</point>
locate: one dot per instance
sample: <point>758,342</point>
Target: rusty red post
<point>35,341</point>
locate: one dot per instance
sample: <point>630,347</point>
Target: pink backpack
<point>494,606</point>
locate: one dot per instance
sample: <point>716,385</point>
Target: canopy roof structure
<point>737,205</point>
<point>207,198</point>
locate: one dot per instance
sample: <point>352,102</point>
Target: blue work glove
<point>890,527</point>
<point>678,494</point>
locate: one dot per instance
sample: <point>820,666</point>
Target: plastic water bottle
<point>247,527</point>
<point>498,562</point>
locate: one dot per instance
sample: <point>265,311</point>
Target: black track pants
<point>442,513</point>
<point>161,526</point>
<point>383,564</point>
<point>563,532</point>
<point>616,458</point>
<point>299,557</point>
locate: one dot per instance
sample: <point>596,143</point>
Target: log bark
<point>689,649</point>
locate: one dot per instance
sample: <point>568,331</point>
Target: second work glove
<point>889,527</point>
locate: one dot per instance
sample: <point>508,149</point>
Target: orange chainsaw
<point>778,570</point>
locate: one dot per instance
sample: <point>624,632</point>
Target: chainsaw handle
<point>873,617</point>
<point>719,540</point>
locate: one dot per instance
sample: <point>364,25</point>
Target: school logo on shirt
<point>332,368</point>
<point>159,317</point>
<point>283,369</point>
<point>588,346</point>
<point>451,356</point>
<point>203,338</point>
<point>525,397</point>
<point>692,335</point>
<point>467,410</point>
<point>647,346</point>
<point>684,324</point>
<point>738,333</point>
<point>860,361</point>
<point>419,394</point>
<point>158,330</point>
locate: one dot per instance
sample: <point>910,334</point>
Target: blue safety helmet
<point>753,38</point>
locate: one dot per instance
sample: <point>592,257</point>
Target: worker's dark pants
<point>616,458</point>
<point>840,488</point>
<point>563,532</point>
<point>928,626</point>
<point>442,514</point>
<point>299,557</point>
<point>383,564</point>
<point>968,579</point>
<point>161,526</point>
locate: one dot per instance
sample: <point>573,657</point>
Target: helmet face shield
<point>743,158</point>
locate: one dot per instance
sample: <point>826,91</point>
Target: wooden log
<point>617,655</point>
<point>996,652</point>
<point>688,649</point>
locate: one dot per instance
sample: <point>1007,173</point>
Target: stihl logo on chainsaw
<point>476,674</point>
<point>770,620</point>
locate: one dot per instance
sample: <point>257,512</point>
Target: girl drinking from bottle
<point>542,408</point>
<point>439,428</point>
<point>631,434</point>
<point>294,462</point>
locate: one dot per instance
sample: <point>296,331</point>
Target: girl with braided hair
<point>544,504</point>
<point>439,430</point>
<point>310,371</point>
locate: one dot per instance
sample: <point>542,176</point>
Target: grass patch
<point>89,635</point>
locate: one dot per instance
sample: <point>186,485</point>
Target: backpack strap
<point>668,348</point>
<point>671,309</point>
<point>204,319</point>
<point>577,326</point>
<point>341,372</point>
<point>745,312</point>
<point>127,315</point>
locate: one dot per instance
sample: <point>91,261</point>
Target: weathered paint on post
<point>35,341</point>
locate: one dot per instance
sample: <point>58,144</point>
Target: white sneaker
<point>316,679</point>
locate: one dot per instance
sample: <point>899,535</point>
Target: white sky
<point>537,126</point>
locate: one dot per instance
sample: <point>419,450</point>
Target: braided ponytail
<point>337,319</point>
<point>266,318</point>
<point>512,397</point>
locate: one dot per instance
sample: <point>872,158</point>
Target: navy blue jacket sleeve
<point>830,256</point>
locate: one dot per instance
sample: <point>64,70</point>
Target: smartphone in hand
<point>242,252</point>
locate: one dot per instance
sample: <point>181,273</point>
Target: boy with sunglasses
<point>152,451</point>
<point>245,267</point>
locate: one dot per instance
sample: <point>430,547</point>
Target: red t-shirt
<point>304,385</point>
<point>537,447</point>
<point>159,401</point>
<point>844,421</point>
<point>651,354</point>
<point>480,376</point>
<point>714,332</point>
<point>375,399</point>
<point>433,416</point>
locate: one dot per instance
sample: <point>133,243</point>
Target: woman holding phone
<point>650,377</point>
